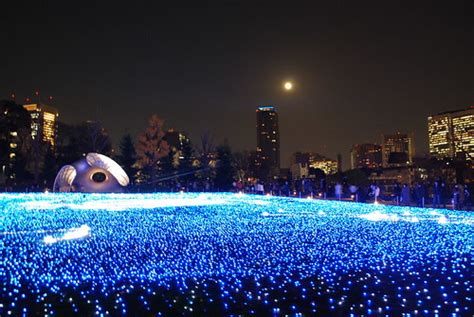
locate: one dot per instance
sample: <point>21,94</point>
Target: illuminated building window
<point>43,122</point>
<point>451,134</point>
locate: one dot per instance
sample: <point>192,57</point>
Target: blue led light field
<point>224,254</point>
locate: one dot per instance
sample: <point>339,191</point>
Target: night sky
<point>360,69</point>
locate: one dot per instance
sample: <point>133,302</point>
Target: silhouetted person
<point>374,191</point>
<point>298,185</point>
<point>456,193</point>
<point>259,188</point>
<point>275,188</point>
<point>338,191</point>
<point>285,189</point>
<point>467,198</point>
<point>323,187</point>
<point>398,192</point>
<point>420,194</point>
<point>405,199</point>
<point>308,186</point>
<point>354,192</point>
<point>362,194</point>
<point>461,196</point>
<point>437,194</point>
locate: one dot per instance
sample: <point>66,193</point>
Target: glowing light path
<point>223,254</point>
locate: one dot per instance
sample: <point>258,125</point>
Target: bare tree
<point>97,138</point>
<point>207,148</point>
<point>242,164</point>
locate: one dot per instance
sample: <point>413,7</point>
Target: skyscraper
<point>176,139</point>
<point>181,145</point>
<point>44,122</point>
<point>397,149</point>
<point>451,134</point>
<point>366,155</point>
<point>268,142</point>
<point>14,130</point>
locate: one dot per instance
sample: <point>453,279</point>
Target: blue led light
<point>214,254</point>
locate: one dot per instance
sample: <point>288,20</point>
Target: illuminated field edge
<point>58,226</point>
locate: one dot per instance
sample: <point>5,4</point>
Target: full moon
<point>288,85</point>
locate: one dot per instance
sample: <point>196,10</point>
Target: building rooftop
<point>453,111</point>
<point>40,106</point>
<point>266,108</point>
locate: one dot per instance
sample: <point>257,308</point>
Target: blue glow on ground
<point>219,254</point>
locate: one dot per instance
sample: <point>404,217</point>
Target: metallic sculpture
<point>94,173</point>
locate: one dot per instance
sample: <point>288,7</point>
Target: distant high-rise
<point>13,132</point>
<point>451,134</point>
<point>366,155</point>
<point>179,143</point>
<point>44,122</point>
<point>268,142</point>
<point>397,149</point>
<point>176,139</point>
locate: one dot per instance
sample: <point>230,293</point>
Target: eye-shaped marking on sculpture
<point>94,173</point>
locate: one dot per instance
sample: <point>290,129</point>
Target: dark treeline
<point>167,160</point>
<point>156,160</point>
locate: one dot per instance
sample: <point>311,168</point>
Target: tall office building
<point>14,129</point>
<point>366,155</point>
<point>451,134</point>
<point>179,142</point>
<point>397,149</point>
<point>44,122</point>
<point>175,139</point>
<point>268,142</point>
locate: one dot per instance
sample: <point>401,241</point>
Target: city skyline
<point>367,69</point>
<point>30,105</point>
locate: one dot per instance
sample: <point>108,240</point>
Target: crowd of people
<point>421,194</point>
<point>437,195</point>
